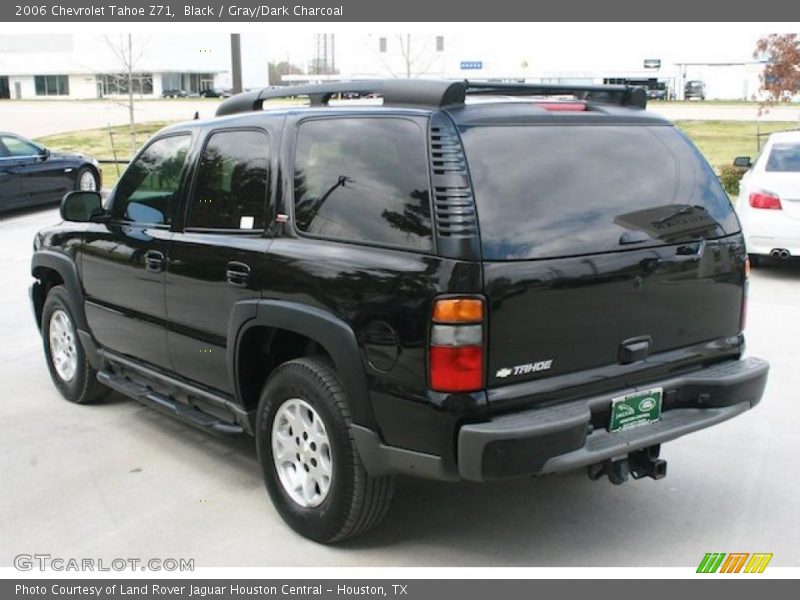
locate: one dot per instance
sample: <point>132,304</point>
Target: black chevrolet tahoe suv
<point>464,282</point>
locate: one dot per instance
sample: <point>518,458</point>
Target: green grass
<point>722,141</point>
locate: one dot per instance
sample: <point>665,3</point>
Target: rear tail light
<point>456,345</point>
<point>766,200</point>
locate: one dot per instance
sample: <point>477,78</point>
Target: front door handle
<point>154,261</point>
<point>237,274</point>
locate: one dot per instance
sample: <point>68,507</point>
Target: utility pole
<point>236,62</point>
<point>130,94</point>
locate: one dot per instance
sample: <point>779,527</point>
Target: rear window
<point>785,158</point>
<point>565,190</point>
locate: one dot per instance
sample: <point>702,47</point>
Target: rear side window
<point>551,191</point>
<point>785,158</point>
<point>232,182</point>
<point>363,180</point>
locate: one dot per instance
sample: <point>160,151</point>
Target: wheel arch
<point>53,268</point>
<point>334,336</point>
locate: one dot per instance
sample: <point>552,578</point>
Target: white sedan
<point>769,198</point>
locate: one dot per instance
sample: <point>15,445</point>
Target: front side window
<point>146,193</point>
<point>232,182</point>
<point>15,146</point>
<point>363,180</point>
<point>784,158</point>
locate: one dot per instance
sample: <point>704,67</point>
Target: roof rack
<point>395,92</point>
<point>623,95</point>
<point>431,93</point>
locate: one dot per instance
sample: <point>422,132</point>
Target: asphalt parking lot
<point>120,480</point>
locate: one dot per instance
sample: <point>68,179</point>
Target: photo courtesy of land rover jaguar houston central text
<point>450,280</point>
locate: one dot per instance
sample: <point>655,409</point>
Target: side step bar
<point>187,414</point>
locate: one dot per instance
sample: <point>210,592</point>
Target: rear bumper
<point>561,437</point>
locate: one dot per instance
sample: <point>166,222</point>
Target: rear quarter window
<point>564,190</point>
<point>363,180</point>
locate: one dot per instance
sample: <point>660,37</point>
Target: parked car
<point>212,93</point>
<point>694,90</point>
<point>769,198</point>
<point>657,92</point>
<point>426,287</point>
<point>174,94</point>
<point>30,174</point>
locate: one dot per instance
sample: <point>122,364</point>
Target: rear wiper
<point>681,211</point>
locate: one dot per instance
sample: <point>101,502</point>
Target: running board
<point>187,414</point>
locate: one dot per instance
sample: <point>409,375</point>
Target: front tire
<point>66,358</point>
<point>86,180</point>
<point>311,466</point>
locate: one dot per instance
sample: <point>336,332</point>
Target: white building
<point>93,66</point>
<point>537,59</point>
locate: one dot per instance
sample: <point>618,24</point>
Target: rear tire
<point>66,358</point>
<point>755,260</point>
<point>301,402</point>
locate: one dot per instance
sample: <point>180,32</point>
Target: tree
<point>123,52</point>
<point>780,79</point>
<point>279,69</point>
<point>415,56</point>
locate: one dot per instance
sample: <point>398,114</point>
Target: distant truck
<point>694,89</point>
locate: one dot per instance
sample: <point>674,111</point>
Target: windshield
<point>785,158</point>
<point>565,190</point>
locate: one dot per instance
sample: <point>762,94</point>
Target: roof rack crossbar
<point>623,95</point>
<point>430,93</point>
<point>395,92</point>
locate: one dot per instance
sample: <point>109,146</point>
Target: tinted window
<point>552,191</point>
<point>784,157</point>
<point>146,192</point>
<point>17,147</point>
<point>363,180</point>
<point>231,189</point>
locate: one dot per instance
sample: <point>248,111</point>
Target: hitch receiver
<point>638,464</point>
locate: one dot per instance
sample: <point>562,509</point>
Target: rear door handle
<point>237,274</point>
<point>154,261</point>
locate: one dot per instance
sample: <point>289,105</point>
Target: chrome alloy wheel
<point>87,183</point>
<point>302,453</point>
<point>63,350</point>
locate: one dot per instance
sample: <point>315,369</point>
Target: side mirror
<point>742,162</point>
<point>82,207</point>
<point>44,153</point>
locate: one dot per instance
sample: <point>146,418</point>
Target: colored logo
<point>735,562</point>
<point>647,404</point>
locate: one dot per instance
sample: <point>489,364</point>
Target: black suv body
<point>431,287</point>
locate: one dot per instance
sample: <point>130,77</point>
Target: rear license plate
<point>633,410</point>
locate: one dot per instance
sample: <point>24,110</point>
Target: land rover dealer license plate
<point>639,408</point>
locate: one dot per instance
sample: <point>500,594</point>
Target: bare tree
<point>127,58</point>
<point>780,79</point>
<point>415,53</point>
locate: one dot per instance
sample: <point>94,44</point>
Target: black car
<point>549,280</point>
<point>30,174</point>
<point>212,93</point>
<point>694,89</point>
<point>174,94</point>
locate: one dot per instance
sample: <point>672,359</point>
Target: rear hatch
<point>597,239</point>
